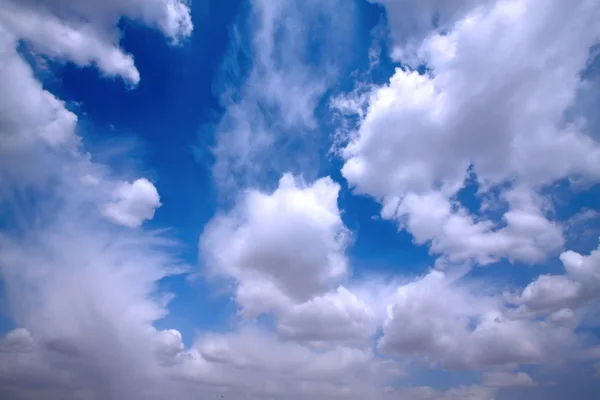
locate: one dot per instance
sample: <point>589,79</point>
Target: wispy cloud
<point>283,60</point>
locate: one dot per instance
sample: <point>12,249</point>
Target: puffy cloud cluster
<point>132,203</point>
<point>458,328</point>
<point>487,107</point>
<point>286,253</point>
<point>435,319</point>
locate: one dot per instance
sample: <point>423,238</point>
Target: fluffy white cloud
<point>285,251</point>
<point>493,107</point>
<point>454,326</point>
<point>289,243</point>
<point>557,294</point>
<point>84,32</point>
<point>132,203</point>
<point>335,316</point>
<point>451,230</point>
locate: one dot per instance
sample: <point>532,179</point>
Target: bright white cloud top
<point>491,96</point>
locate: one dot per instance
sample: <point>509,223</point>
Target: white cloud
<point>85,292</point>
<point>454,326</point>
<point>289,243</point>
<point>263,365</point>
<point>132,203</point>
<point>32,118</point>
<point>336,316</point>
<point>557,294</point>
<point>410,22</point>
<point>285,252</point>
<point>527,236</point>
<point>493,105</point>
<point>84,32</point>
<point>82,291</point>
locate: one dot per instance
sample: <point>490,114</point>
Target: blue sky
<point>345,199</point>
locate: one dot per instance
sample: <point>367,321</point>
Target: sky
<point>331,199</point>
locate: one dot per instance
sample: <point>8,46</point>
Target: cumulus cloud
<point>291,241</point>
<point>528,235</point>
<point>490,107</point>
<point>286,253</point>
<point>339,316</point>
<point>558,294</point>
<point>456,327</point>
<point>132,203</point>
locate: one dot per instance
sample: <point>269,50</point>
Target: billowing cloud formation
<point>291,241</point>
<point>490,107</point>
<point>450,325</point>
<point>336,316</point>
<point>286,252</point>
